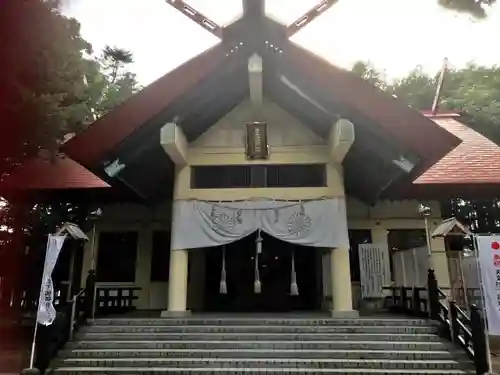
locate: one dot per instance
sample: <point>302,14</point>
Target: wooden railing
<point>115,300</point>
<point>88,303</point>
<point>466,329</point>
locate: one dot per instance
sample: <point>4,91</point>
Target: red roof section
<point>41,174</point>
<point>475,160</point>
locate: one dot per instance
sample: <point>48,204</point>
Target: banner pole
<point>93,268</point>
<point>462,276</point>
<point>475,248</point>
<point>92,249</point>
<point>429,242</point>
<point>33,346</point>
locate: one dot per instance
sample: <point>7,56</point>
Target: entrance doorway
<point>275,276</point>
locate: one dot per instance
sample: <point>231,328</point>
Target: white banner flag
<point>46,313</point>
<point>489,261</point>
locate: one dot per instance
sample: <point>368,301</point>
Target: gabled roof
<point>338,88</point>
<point>476,160</point>
<point>41,174</point>
<point>204,89</point>
<point>89,147</point>
<point>451,226</point>
<point>405,124</point>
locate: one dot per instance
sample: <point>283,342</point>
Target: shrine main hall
<point>258,177</point>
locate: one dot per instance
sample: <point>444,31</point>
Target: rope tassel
<point>294,288</point>
<point>223,284</point>
<point>257,288</point>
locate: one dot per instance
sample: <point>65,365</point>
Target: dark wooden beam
<point>230,79</point>
<point>203,117</point>
<point>255,9</point>
<point>310,16</point>
<point>197,17</point>
<point>182,106</point>
<point>295,105</point>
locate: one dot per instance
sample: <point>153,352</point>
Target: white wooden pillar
<point>341,283</point>
<point>178,283</point>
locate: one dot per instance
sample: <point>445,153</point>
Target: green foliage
<point>116,93</point>
<point>53,88</point>
<point>473,91</point>
<point>417,89</point>
<point>49,88</point>
<point>368,72</point>
<point>113,59</point>
<point>41,68</point>
<point>477,8</point>
<point>114,83</point>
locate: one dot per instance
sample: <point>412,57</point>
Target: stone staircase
<point>252,345</point>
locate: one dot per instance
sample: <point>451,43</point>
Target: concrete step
<point>258,336</point>
<point>152,343</point>
<point>260,345</point>
<point>248,371</point>
<point>213,321</point>
<point>262,363</point>
<point>263,353</point>
<point>259,329</point>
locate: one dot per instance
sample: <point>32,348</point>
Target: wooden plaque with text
<point>256,141</point>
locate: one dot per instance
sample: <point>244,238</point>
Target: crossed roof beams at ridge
<point>309,16</point>
<point>197,17</point>
<point>217,30</point>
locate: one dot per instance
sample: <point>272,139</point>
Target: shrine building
<point>251,178</point>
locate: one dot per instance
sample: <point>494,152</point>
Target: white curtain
<point>318,223</point>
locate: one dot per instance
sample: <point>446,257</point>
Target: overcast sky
<point>395,35</point>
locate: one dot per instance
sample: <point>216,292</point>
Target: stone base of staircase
<point>344,314</point>
<point>175,314</point>
<point>260,345</point>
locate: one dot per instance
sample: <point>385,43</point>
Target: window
<point>357,237</point>
<point>117,255</point>
<point>160,256</point>
<point>258,176</point>
<point>220,177</point>
<point>298,175</point>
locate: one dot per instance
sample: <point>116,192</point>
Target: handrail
<point>467,330</point>
<point>73,319</point>
<point>76,312</point>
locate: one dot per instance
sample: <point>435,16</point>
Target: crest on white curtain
<point>225,219</point>
<point>299,223</point>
